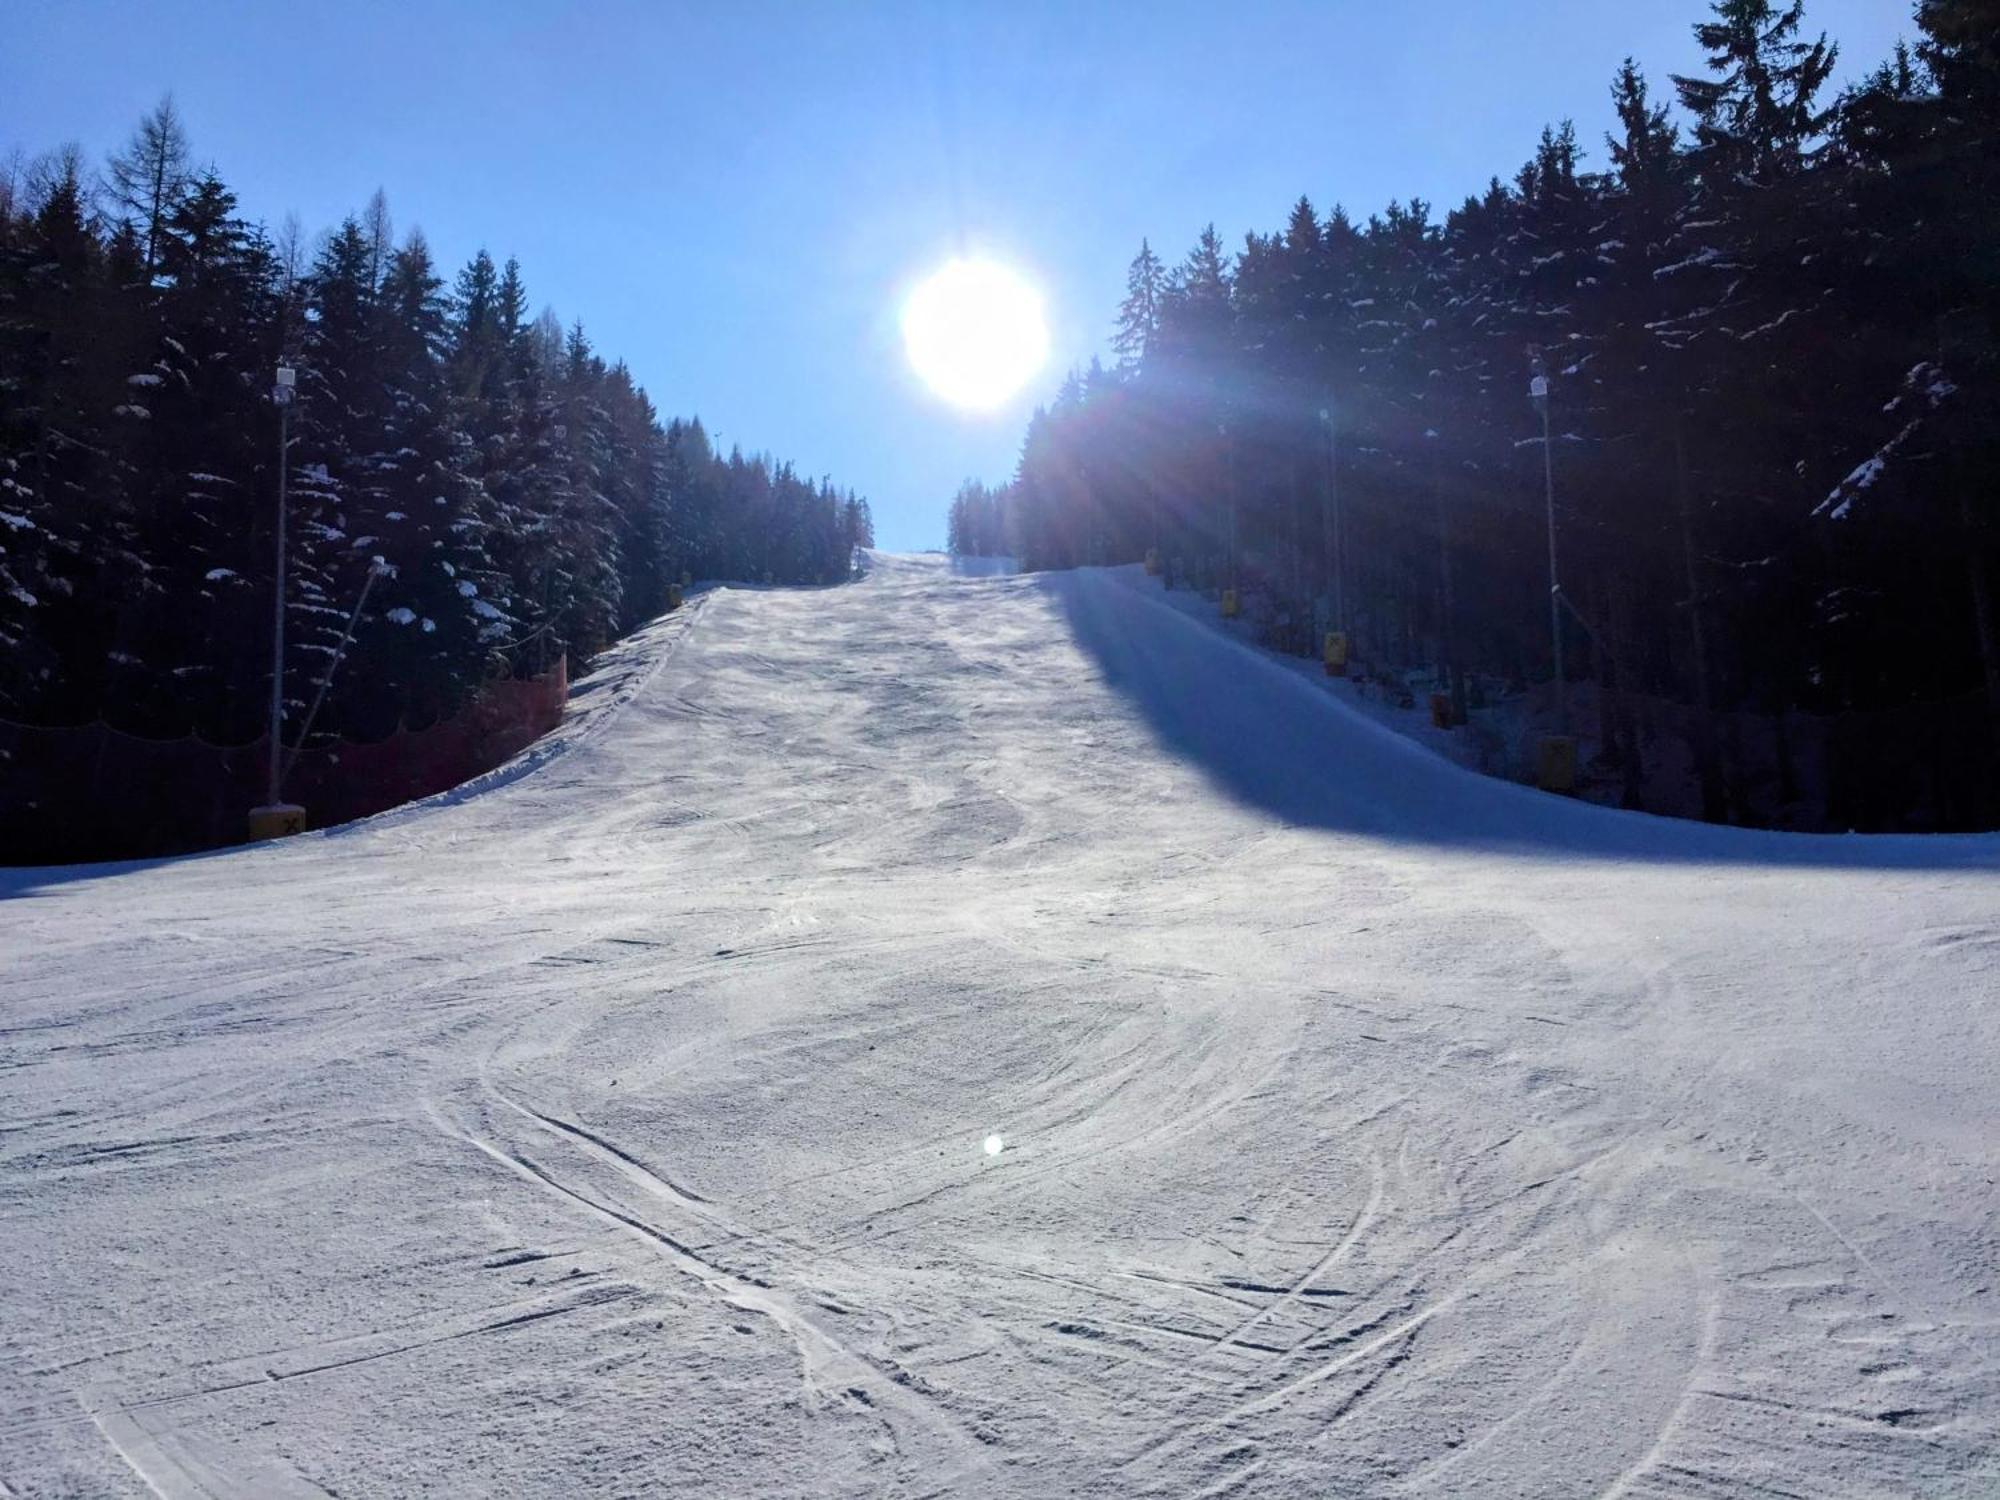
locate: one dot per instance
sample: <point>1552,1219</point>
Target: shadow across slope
<point>1272,742</point>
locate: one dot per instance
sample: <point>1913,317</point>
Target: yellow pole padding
<point>1334,653</point>
<point>280,820</point>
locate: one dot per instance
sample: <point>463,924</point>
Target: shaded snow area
<point>625,1122</point>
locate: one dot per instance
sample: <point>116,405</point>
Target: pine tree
<point>381,233</point>
<point>147,178</point>
<point>439,603</point>
<point>476,342</point>
<point>1139,314</point>
<point>72,561</point>
<point>331,484</point>
<point>1203,278</point>
<point>204,483</point>
<point>1757,117</point>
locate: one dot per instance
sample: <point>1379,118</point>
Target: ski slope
<point>620,1124</point>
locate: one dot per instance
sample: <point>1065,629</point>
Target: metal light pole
<point>275,817</point>
<point>281,393</point>
<point>1538,392</point>
<point>1229,460</point>
<point>1232,599</point>
<point>1335,547</point>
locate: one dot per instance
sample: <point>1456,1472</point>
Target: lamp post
<point>1538,392</point>
<point>1232,599</point>
<point>1229,471</point>
<point>1330,518</point>
<point>275,817</point>
<point>281,393</point>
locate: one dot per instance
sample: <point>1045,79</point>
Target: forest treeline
<point>498,490</point>
<point>1767,319</point>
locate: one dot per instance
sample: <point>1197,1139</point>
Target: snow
<point>1707,255</point>
<point>1926,380</point>
<point>1772,326</point>
<point>1863,476</point>
<point>620,1122</point>
<point>401,615</point>
<point>216,575</point>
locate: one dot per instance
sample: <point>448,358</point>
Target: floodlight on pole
<point>1538,393</point>
<point>276,816</point>
<point>1333,538</point>
<point>1229,480</point>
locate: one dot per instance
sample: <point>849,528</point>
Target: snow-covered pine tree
<point>439,605</point>
<point>72,560</point>
<point>205,486</point>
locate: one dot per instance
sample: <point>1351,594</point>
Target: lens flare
<point>975,333</point>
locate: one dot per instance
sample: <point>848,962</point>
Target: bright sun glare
<point>975,333</point>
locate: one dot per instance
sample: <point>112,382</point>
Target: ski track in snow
<point>614,1123</point>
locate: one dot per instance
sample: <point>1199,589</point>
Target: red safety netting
<point>92,792</point>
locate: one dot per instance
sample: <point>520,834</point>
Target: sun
<point>974,331</point>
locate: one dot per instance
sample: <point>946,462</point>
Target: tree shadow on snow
<point>20,881</point>
<point>1271,741</point>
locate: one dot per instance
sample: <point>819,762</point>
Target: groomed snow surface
<point>620,1124</point>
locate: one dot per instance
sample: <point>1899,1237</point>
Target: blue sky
<point>735,197</point>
